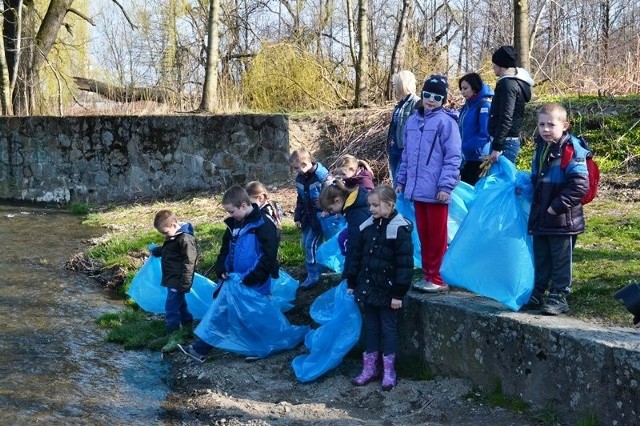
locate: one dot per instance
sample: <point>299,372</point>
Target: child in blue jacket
<point>556,218</point>
<point>249,248</point>
<point>310,177</point>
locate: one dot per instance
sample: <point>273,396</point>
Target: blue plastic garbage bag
<point>148,293</point>
<point>243,321</point>
<point>329,255</point>
<point>340,325</point>
<point>407,210</point>
<point>492,254</point>
<point>462,197</point>
<point>283,291</point>
<point>331,224</point>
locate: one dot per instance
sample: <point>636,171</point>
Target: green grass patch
<point>134,329</point>
<point>79,208</point>
<point>497,398</point>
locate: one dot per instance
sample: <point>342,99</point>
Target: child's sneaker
<point>556,304</point>
<point>191,353</point>
<point>535,303</point>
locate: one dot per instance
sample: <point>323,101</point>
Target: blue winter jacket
<point>431,156</point>
<point>309,186</point>
<point>473,123</point>
<point>559,188</point>
<point>250,248</point>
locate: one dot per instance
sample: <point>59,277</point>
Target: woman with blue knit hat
<point>428,172</point>
<point>512,92</point>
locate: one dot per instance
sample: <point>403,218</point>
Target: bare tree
<point>521,31</point>
<point>210,89</point>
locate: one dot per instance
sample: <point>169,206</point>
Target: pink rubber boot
<point>389,379</point>
<point>370,369</point>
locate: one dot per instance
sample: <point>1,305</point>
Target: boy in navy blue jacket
<point>249,248</point>
<point>178,262</point>
<point>556,216</point>
<point>310,177</point>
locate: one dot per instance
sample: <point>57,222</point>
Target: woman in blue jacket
<point>473,122</point>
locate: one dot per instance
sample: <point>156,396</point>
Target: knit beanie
<point>505,57</point>
<point>436,84</point>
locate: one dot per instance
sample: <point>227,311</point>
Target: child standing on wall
<point>429,170</point>
<point>178,262</point>
<point>379,274</point>
<point>309,180</point>
<point>249,248</point>
<point>556,216</point>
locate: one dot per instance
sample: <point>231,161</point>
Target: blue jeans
<point>552,257</point>
<point>395,157</point>
<point>381,329</point>
<point>311,239</point>
<point>176,309</point>
<point>511,149</point>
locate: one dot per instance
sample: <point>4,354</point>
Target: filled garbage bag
<point>329,254</point>
<point>462,197</point>
<point>340,325</point>
<point>146,291</point>
<point>245,322</point>
<point>492,254</point>
<point>331,224</point>
<point>283,291</point>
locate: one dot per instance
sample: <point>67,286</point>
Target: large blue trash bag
<point>340,325</point>
<point>462,197</point>
<point>148,293</point>
<point>283,291</point>
<point>406,208</point>
<point>331,224</point>
<point>492,254</point>
<point>243,321</point>
<point>329,255</point>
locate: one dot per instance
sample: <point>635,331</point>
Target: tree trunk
<point>125,94</point>
<point>399,47</point>
<point>5,83</point>
<point>362,66</point>
<point>210,89</point>
<point>521,31</point>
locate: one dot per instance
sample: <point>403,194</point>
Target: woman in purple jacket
<point>428,172</point>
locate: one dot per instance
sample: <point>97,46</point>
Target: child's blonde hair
<point>301,154</point>
<point>385,194</point>
<point>553,109</point>
<point>255,189</point>
<point>235,196</point>
<point>164,218</point>
<point>337,189</point>
<point>351,163</point>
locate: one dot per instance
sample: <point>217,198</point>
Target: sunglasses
<point>427,95</point>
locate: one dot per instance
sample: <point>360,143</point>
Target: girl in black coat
<point>379,275</point>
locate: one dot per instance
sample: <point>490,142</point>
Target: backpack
<point>592,167</point>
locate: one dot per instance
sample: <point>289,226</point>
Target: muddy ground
<point>227,390</point>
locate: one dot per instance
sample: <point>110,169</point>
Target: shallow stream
<point>55,366</point>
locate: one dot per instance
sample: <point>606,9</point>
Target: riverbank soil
<point>227,390</point>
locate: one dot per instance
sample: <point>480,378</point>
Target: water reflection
<point>55,367</point>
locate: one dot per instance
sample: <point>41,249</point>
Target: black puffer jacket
<point>381,265</point>
<point>179,255</point>
<point>507,107</point>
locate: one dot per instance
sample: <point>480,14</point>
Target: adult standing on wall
<point>404,90</point>
<point>474,124</point>
<point>512,92</point>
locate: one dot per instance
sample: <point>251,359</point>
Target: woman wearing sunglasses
<point>428,172</point>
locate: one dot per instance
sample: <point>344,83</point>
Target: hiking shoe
<point>429,287</point>
<point>535,303</point>
<point>556,304</point>
<point>191,353</point>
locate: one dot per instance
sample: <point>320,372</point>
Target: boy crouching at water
<point>249,248</point>
<point>178,262</point>
<point>560,181</point>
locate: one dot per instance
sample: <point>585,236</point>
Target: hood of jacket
<point>484,93</point>
<point>524,79</point>
<point>186,228</point>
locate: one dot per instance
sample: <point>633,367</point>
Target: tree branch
<point>124,12</point>
<point>81,15</point>
<point>125,94</point>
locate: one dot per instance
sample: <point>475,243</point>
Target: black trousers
<point>552,257</point>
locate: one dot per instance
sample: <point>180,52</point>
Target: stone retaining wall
<point>574,368</point>
<point>107,159</point>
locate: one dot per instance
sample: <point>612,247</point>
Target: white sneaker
<point>429,287</point>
